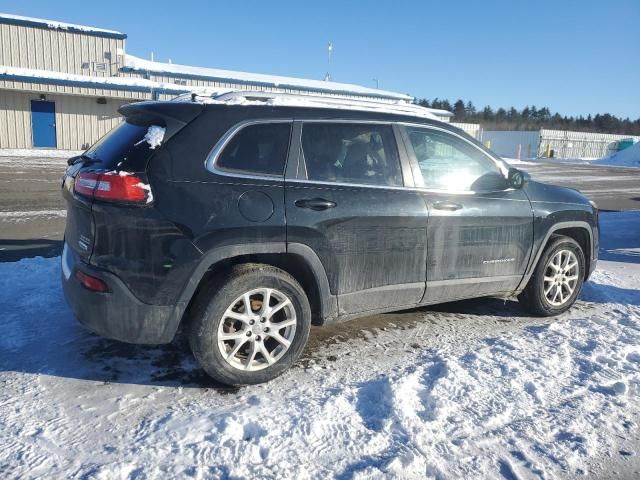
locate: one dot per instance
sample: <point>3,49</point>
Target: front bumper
<point>118,314</point>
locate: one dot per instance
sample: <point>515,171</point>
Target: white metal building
<point>62,84</point>
<point>556,143</point>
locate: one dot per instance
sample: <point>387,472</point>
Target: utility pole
<point>377,86</point>
<point>327,77</point>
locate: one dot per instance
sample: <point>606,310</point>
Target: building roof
<point>114,83</point>
<point>136,64</point>
<point>54,25</point>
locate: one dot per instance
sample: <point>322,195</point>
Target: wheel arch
<point>299,260</point>
<point>580,231</point>
<point>584,239</point>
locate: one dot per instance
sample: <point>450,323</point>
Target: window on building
<point>450,163</point>
<point>351,153</point>
<point>257,149</point>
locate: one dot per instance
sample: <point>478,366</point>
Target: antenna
<point>327,77</point>
<point>377,83</point>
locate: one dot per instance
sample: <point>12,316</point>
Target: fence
<point>543,143</point>
<point>585,145</point>
<point>473,129</point>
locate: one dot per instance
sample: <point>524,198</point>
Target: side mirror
<point>517,178</point>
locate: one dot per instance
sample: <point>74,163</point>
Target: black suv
<point>246,219</point>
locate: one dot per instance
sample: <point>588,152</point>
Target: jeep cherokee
<point>246,217</point>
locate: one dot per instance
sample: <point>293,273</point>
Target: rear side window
<point>257,149</point>
<point>124,147</point>
<point>351,153</point>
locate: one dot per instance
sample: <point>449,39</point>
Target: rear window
<point>124,147</point>
<point>257,149</point>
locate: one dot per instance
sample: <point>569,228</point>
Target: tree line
<point>533,118</point>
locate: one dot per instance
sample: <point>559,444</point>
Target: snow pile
<point>629,157</point>
<point>38,153</point>
<point>29,214</point>
<point>467,390</point>
<point>154,136</point>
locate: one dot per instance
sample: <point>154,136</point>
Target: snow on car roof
<point>52,24</point>
<point>258,98</point>
<point>258,79</point>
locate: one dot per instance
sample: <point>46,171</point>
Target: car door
<point>480,232</point>
<point>346,201</point>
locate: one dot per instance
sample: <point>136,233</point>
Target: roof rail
<point>247,97</point>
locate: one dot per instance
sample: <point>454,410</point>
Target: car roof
<point>311,103</point>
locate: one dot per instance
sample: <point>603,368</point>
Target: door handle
<point>316,204</point>
<point>448,206</point>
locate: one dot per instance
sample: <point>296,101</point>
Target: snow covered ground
<point>466,390</point>
<point>629,157</point>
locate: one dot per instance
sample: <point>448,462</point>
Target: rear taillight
<point>112,186</point>
<point>91,282</point>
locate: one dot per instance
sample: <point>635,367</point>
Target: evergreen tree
<point>458,111</point>
<point>470,108</point>
<point>531,118</point>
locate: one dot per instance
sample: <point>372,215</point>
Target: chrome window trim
<point>212,157</point>
<point>210,162</point>
<point>312,183</point>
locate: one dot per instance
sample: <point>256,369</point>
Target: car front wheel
<point>557,279</point>
<point>250,327</point>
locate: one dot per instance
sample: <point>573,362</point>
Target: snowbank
<point>467,390</point>
<point>629,157</point>
<point>38,153</point>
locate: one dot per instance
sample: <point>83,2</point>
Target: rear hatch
<point>113,170</point>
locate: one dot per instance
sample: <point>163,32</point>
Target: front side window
<point>450,163</point>
<point>259,149</point>
<point>351,153</point>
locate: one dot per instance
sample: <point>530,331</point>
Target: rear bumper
<point>118,314</point>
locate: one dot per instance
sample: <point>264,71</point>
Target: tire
<point>221,312</point>
<point>546,298</point>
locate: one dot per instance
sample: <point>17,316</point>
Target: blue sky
<point>576,57</point>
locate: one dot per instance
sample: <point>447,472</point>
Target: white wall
<point>80,121</point>
<point>473,129</point>
<point>505,143</point>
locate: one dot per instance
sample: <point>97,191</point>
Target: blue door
<point>43,123</point>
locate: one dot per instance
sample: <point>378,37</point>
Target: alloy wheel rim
<point>561,277</point>
<point>257,329</point>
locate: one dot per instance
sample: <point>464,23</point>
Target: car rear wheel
<point>557,279</point>
<point>250,327</point>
